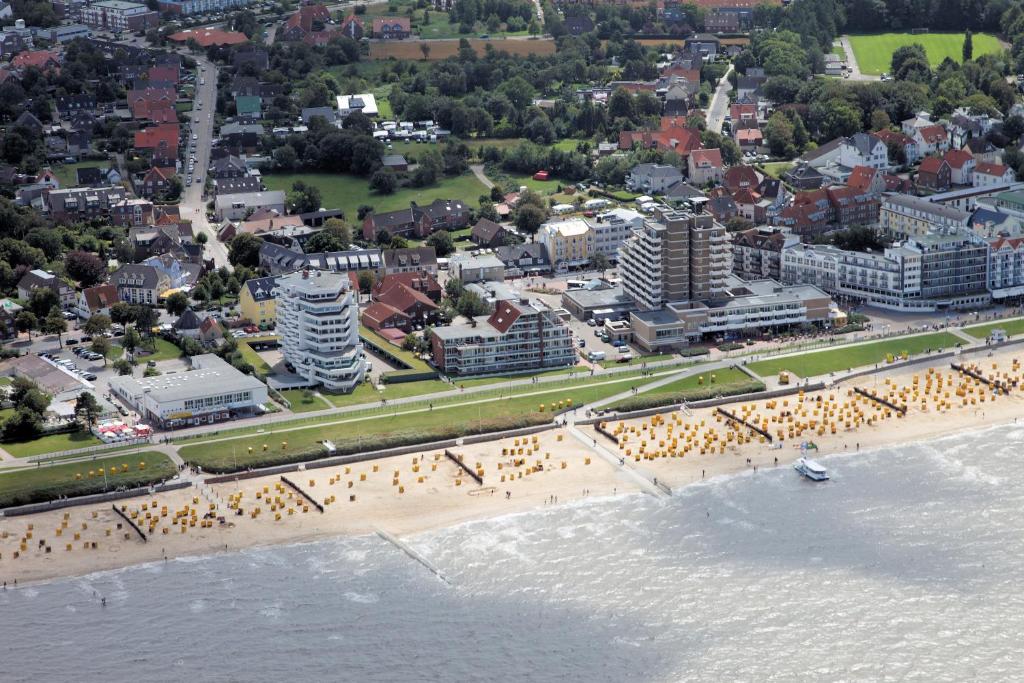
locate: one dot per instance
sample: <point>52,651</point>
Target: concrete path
<point>642,479</point>
<point>851,62</point>
<point>719,105</point>
<point>478,171</point>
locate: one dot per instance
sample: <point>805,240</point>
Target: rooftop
<point>212,375</point>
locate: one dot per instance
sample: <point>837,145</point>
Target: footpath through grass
<point>418,425</point>
<point>47,483</point>
<point>818,363</point>
<point>720,382</point>
<point>874,52</point>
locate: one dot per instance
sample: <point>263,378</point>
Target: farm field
<point>818,363</point>
<point>348,193</point>
<point>874,52</point>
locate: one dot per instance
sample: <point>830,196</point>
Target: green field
<point>874,52</point>
<point>299,402</point>
<point>847,357</point>
<point>348,193</point>
<point>389,430</point>
<point>1012,328</point>
<point>51,444</point>
<point>776,168</point>
<point>46,483</point>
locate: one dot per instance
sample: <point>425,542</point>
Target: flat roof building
<point>212,391</point>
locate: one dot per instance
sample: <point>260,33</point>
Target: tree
<point>146,318</point>
<point>96,324</point>
<point>968,50</point>
<point>529,218</point>
<point>599,261</point>
<point>304,198</point>
<point>121,313</point>
<point>22,426</point>
<point>425,49</point>
<point>442,243</point>
<point>54,323</point>
<point>367,278</point>
<point>244,250</point>
<point>85,267</point>
<point>470,305</point>
<point>42,301</point>
<point>131,340</point>
<point>191,347</point>
<point>778,133</point>
<point>453,289</point>
<point>26,322</point>
<point>383,181</point>
<point>102,346</point>
<point>87,409</point>
<point>904,54</point>
<point>123,367</point>
<point>176,303</point>
<point>880,120</point>
<point>201,238</point>
<point>36,401</point>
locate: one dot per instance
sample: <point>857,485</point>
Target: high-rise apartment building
<point>318,323</point>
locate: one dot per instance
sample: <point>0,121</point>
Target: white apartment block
<point>318,323</point>
<point>610,229</point>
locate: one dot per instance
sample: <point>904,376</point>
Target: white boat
<point>811,469</point>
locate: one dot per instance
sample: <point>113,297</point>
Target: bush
<point>729,346</point>
<point>695,351</point>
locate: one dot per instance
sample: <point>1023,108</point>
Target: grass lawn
<point>1012,328</point>
<point>347,192</point>
<point>539,186</point>
<point>823,362</point>
<point>252,358</point>
<point>163,350</point>
<point>776,168</point>
<point>497,379</point>
<point>51,444</point>
<point>300,404</point>
<point>46,483</point>
<point>5,413</point>
<point>67,173</point>
<point>874,52</point>
<point>387,429</point>
<point>367,393</point>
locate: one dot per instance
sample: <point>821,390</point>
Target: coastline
<point>447,497</point>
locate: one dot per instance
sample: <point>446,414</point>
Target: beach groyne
<point>739,420</point>
<point>902,410</point>
<point>312,501</point>
<point>120,513</point>
<point>405,548</point>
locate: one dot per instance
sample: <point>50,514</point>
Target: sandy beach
<point>418,492</point>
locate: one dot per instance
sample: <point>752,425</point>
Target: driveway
<point>719,105</point>
<point>478,171</point>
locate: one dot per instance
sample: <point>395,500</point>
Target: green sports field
<point>874,52</point>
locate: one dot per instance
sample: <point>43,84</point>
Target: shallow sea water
<point>904,566</point>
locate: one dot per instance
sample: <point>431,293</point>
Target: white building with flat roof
<point>318,323</point>
<point>609,229</point>
<point>364,103</point>
<point>212,391</point>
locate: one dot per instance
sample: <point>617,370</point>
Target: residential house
<point>866,179</point>
<point>155,182</point>
<point>418,221</point>
<point>415,307</point>
<point>907,146</point>
<point>257,301</point>
<point>477,266</point>
<point>44,60</point>
<point>250,58</point>
<point>71,104</point>
<point>161,141</point>
<point>920,120</point>
<point>41,279</point>
<point>422,281</point>
<point>803,176</point>
<point>935,174</point>
<point>210,331</point>
<point>96,300</point>
<point>409,260</point>
<point>188,324</point>
<point>94,176</point>
<point>988,174</point>
<point>352,27</point>
<point>864,149</point>
<point>567,243</point>
<point>983,150</point>
<point>741,177</point>
<point>79,204</point>
<point>379,316</point>
<point>757,252</point>
<point>180,274</point>
<point>228,166</point>
<point>653,178</point>
<point>29,122</point>
<point>722,207</point>
<point>391,28</point>
<point>237,185</point>
<point>394,162</point>
<point>248,106</point>
<point>961,166</point>
<point>524,260</point>
<point>822,155</point>
<point>705,166</point>
<point>931,139</point>
<point>307,20</point>
<point>748,135</point>
<point>487,233</point>
<point>140,284</point>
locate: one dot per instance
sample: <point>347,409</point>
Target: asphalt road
<point>719,106</point>
<point>193,203</point>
